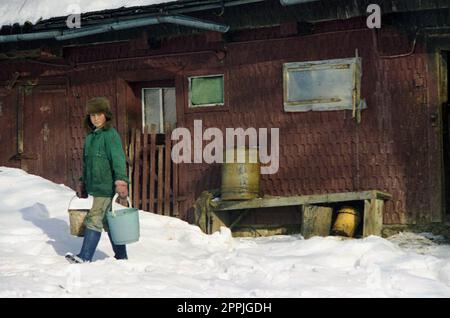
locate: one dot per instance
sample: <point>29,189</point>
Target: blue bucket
<point>123,224</point>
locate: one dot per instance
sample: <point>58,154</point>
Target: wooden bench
<point>315,209</point>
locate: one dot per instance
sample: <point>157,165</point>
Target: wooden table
<point>315,209</point>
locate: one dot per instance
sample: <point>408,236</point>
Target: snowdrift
<point>175,259</point>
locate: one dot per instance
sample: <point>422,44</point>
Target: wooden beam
<point>153,159</point>
<point>238,219</point>
<point>175,187</point>
<point>216,219</point>
<point>130,154</point>
<point>160,185</point>
<point>145,170</point>
<point>167,170</point>
<point>136,165</point>
<point>268,202</point>
<point>373,217</point>
<point>316,220</point>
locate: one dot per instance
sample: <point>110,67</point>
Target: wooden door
<point>8,128</point>
<point>45,121</point>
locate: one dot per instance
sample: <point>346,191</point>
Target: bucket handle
<point>70,202</point>
<point>114,200</point>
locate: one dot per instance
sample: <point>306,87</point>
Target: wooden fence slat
<point>152,167</point>
<point>145,170</point>
<point>136,165</point>
<point>131,151</point>
<point>175,185</point>
<point>160,178</point>
<point>167,171</point>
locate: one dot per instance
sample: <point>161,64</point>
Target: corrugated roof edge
<point>105,16</point>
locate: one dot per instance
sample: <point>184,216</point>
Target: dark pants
<point>95,222</point>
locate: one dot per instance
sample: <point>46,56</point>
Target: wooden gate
<point>153,176</point>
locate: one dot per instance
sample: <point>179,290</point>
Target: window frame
<point>353,63</point>
<point>205,106</point>
<point>161,106</point>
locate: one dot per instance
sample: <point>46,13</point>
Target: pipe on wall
<point>29,36</point>
<point>135,23</point>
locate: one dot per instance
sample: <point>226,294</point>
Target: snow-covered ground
<point>19,11</point>
<point>175,259</point>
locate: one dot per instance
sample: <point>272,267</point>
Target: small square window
<point>322,85</point>
<point>206,91</point>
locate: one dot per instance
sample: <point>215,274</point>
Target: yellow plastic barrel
<point>240,178</point>
<point>347,221</point>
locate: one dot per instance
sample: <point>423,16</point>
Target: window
<point>158,108</point>
<point>322,85</point>
<point>206,91</point>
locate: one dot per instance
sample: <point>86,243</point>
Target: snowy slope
<point>175,259</point>
<point>19,11</point>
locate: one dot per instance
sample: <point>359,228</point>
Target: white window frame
<point>323,104</point>
<point>205,105</point>
<point>161,107</point>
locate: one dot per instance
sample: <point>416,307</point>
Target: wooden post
<point>160,185</point>
<point>373,217</point>
<point>152,166</point>
<point>175,188</point>
<point>316,220</point>
<point>131,151</point>
<point>217,219</point>
<point>136,164</point>
<point>145,170</point>
<point>167,166</point>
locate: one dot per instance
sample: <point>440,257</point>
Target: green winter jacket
<point>103,162</point>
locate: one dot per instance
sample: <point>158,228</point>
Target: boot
<point>74,259</point>
<point>90,243</point>
<point>120,251</point>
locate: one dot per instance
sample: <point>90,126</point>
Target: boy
<point>104,173</point>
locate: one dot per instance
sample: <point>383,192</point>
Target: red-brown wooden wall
<point>394,148</point>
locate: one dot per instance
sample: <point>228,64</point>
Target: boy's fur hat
<point>97,105</point>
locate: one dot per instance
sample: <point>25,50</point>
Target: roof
<point>21,11</point>
<point>237,14</point>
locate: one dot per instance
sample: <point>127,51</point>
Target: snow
<point>21,11</point>
<point>175,259</point>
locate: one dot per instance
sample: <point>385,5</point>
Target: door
<point>45,127</point>
<point>8,128</point>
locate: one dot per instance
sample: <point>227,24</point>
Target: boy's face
<point>98,119</point>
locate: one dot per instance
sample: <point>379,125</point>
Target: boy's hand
<point>81,190</point>
<point>122,188</point>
